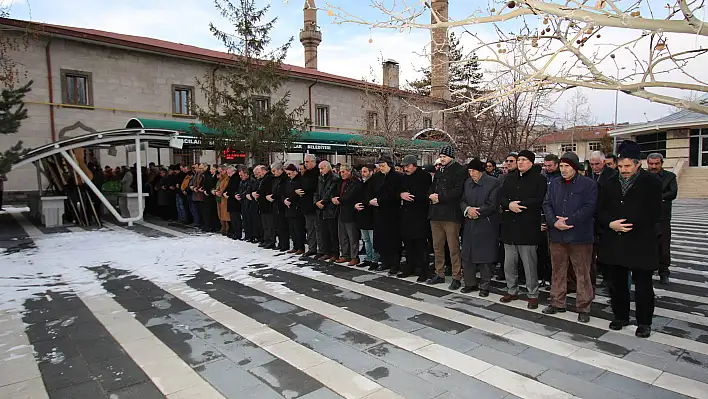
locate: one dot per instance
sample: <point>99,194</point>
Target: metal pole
<point>138,172</point>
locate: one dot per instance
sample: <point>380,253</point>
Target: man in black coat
<point>386,202</point>
<point>244,192</point>
<point>327,213</point>
<point>265,206</point>
<point>276,200</point>
<point>365,215</point>
<point>211,219</point>
<point>310,178</point>
<point>348,194</point>
<point>600,173</point>
<point>415,227</point>
<point>446,216</point>
<point>293,210</point>
<point>669,191</point>
<point>521,197</point>
<point>629,210</point>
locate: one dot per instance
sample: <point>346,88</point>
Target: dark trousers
<point>311,223</point>
<point>283,229</point>
<point>1,195</point>
<point>268,222</point>
<point>417,256</point>
<point>235,224</point>
<point>665,248</point>
<point>247,225</point>
<point>545,269</point>
<point>470,275</point>
<point>195,208</point>
<point>330,241</point>
<point>256,226</point>
<point>643,293</point>
<point>211,219</point>
<point>297,232</point>
<point>391,258</point>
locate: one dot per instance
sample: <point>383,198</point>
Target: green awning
<point>313,137</point>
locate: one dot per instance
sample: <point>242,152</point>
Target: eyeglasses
<point>510,161</point>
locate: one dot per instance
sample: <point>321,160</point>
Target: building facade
<point>581,140</point>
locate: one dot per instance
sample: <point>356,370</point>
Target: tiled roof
<point>584,133</point>
<point>677,120</point>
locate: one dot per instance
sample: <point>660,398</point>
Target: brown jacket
<point>221,201</point>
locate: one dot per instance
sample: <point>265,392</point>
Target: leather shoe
<point>508,298</point>
<point>483,293</point>
<point>467,289</point>
<point>533,303</point>
<point>455,284</point>
<point>618,324</point>
<point>643,331</point>
<point>552,310</point>
<point>583,317</point>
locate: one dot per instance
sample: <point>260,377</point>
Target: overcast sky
<point>345,49</point>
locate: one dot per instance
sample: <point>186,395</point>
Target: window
<point>568,147</point>
<point>76,88</point>
<point>261,104</point>
<point>185,156</point>
<point>372,120</point>
<point>182,100</point>
<point>594,146</point>
<point>321,116</point>
<point>403,123</point>
<point>653,142</point>
<point>539,148</point>
<point>427,123</point>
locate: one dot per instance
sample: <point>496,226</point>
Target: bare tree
<point>562,45</point>
<point>577,113</point>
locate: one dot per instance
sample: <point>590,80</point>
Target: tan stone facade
<point>131,83</point>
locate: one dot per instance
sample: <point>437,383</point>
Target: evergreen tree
<point>465,74</point>
<point>240,106</point>
<point>12,113</point>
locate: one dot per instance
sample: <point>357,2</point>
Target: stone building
<point>582,140</point>
<point>88,80</point>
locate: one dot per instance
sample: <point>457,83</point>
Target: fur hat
<point>448,151</point>
<point>528,155</point>
<point>571,159</point>
<point>476,164</point>
<point>629,149</point>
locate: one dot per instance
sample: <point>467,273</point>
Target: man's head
<point>276,169</point>
<point>182,168</point>
<point>310,161</point>
<point>490,167</point>
<point>655,162</point>
<point>243,173</point>
<point>510,162</point>
<point>628,159</point>
<point>525,160</point>
<point>325,167</point>
<point>476,169</point>
<point>291,171</point>
<point>367,171</point>
<point>230,171</point>
<point>410,164</point>
<point>597,161</point>
<point>550,163</point>
<point>569,165</point>
<point>611,161</point>
<point>345,171</point>
<point>447,155</point>
<point>398,168</point>
<point>213,169</point>
<point>385,164</point>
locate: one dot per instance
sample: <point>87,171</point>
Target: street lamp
<point>614,143</point>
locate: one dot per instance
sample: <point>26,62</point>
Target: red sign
<point>231,154</point>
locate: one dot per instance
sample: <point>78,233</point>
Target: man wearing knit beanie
<point>569,208</point>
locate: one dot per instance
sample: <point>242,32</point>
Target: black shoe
<point>455,284</point>
<point>309,253</point>
<point>643,331</point>
<point>663,280</point>
<point>392,272</point>
<point>373,266</point>
<point>484,293</point>
<point>467,289</point>
<point>552,310</point>
<point>403,275</point>
<point>364,264</point>
<point>261,245</point>
<point>421,279</point>
<point>382,268</point>
<point>435,280</point>
<point>618,324</point>
<point>583,317</point>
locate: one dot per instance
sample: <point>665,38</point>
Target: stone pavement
<point>287,328</point>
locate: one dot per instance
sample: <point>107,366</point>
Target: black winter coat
<point>326,190</point>
<point>232,204</point>
<point>279,183</point>
<point>641,207</point>
<point>387,191</point>
<point>350,196</point>
<point>245,187</point>
<point>480,236</point>
<point>529,188</point>
<point>296,201</point>
<point>448,183</point>
<point>669,192</point>
<point>265,187</point>
<point>365,218</point>
<point>309,184</point>
<point>414,215</point>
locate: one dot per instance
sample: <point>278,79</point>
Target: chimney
<point>310,35</point>
<point>439,52</point>
<point>390,74</point>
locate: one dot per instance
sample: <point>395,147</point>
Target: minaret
<point>310,35</point>
<point>439,52</point>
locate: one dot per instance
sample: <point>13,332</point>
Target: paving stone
<point>403,325</point>
<point>322,393</point>
<point>405,384</point>
<point>439,323</point>
<point>145,390</point>
<point>192,318</point>
<point>349,336</point>
<point>642,345</point>
<point>459,384</point>
<point>516,364</point>
<point>401,358</point>
<point>591,343</point>
<point>527,325</point>
<point>493,341</point>
<point>70,372</point>
<point>447,340</point>
<point>278,306</point>
<point>227,377</point>
<point>90,389</point>
<point>261,391</point>
<point>216,334</point>
<point>634,388</point>
<point>668,364</point>
<point>99,350</point>
<point>579,388</point>
<point>194,351</point>
<point>245,354</point>
<point>285,379</point>
<point>563,364</point>
<point>54,350</point>
<point>117,373</point>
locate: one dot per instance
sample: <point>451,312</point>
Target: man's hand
<point>406,196</point>
<point>319,204</point>
<point>473,213</point>
<point>560,223</point>
<point>335,200</point>
<point>238,197</point>
<point>620,226</point>
<point>434,198</point>
<point>300,192</point>
<point>270,198</point>
<point>544,227</point>
<point>287,202</point>
<point>374,202</point>
<point>226,195</point>
<point>359,206</point>
<point>255,195</point>
<point>515,207</point>
<point>249,197</point>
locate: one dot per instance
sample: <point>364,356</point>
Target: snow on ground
<point>12,209</point>
<point>60,261</point>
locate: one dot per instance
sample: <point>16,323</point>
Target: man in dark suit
<point>628,211</point>
<point>600,173</point>
<point>669,191</point>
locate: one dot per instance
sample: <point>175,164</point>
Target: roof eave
<point>655,127</point>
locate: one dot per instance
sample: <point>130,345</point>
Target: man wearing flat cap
<point>445,216</point>
<point>569,208</point>
<point>630,210</point>
<point>415,228</point>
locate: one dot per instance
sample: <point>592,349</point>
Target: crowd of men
<point>554,223</point>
